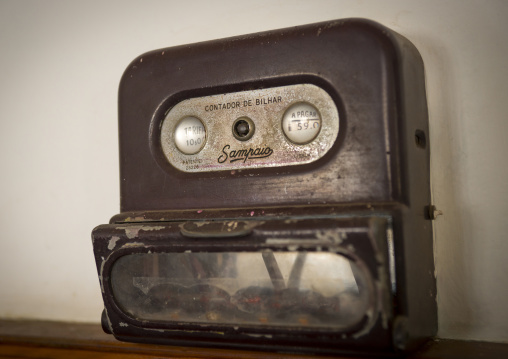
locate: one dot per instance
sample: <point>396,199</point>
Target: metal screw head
<point>433,212</point>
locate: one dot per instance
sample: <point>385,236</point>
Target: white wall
<point>60,64</point>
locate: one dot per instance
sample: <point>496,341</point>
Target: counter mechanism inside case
<point>274,195</point>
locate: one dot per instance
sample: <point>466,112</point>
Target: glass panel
<point>292,289</point>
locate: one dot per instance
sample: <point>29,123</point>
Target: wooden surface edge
<point>47,339</point>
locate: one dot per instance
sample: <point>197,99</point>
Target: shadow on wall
<point>452,253</point>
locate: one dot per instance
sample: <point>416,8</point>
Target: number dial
<point>301,123</point>
<point>190,135</point>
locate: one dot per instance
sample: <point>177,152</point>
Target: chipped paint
<point>123,324</point>
<point>232,225</point>
<point>370,324</point>
<point>290,221</point>
<point>202,229</point>
<point>133,244</point>
<point>112,242</point>
<point>333,236</point>
<point>133,231</point>
<point>269,336</point>
<point>130,232</point>
<point>135,219</point>
<point>110,325</point>
<point>152,228</point>
<point>101,279</point>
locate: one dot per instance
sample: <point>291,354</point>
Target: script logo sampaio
<point>244,154</point>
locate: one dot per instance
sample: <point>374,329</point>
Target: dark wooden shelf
<point>45,339</point>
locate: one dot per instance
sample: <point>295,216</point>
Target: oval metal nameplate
<point>244,129</point>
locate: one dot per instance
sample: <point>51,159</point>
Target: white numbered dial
<point>301,123</point>
<point>190,135</point>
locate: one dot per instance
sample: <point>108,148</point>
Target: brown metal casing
<point>372,74</point>
<point>377,168</point>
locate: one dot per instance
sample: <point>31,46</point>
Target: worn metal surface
<point>362,240</point>
<point>357,63</point>
<point>268,146</point>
